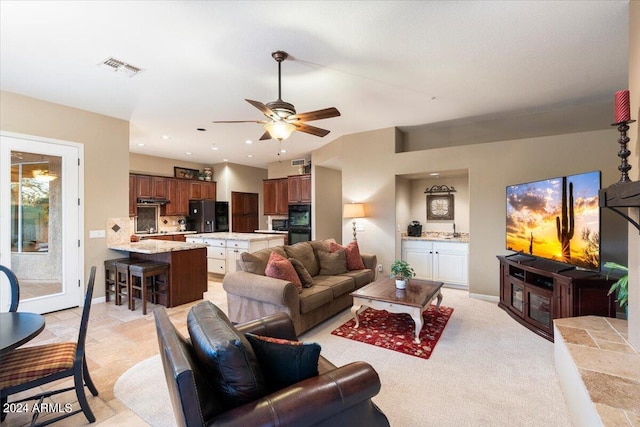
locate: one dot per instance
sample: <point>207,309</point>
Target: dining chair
<point>26,368</point>
<point>15,287</point>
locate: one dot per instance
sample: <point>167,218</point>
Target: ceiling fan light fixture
<point>279,130</point>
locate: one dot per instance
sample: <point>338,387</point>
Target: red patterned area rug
<point>397,331</point>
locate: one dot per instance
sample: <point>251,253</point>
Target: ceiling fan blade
<point>316,115</point>
<point>302,127</point>
<point>265,136</point>
<point>265,110</point>
<point>240,121</point>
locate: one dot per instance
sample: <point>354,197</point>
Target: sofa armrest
<point>369,261</point>
<point>309,402</point>
<point>262,288</point>
<point>278,325</point>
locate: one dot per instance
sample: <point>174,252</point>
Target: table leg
<point>419,321</point>
<point>355,310</point>
<point>439,297</point>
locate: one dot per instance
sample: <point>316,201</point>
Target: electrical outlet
<point>96,234</point>
<point>379,267</point>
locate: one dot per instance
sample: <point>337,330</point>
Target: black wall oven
<point>299,223</point>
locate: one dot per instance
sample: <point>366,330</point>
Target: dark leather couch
<point>336,397</point>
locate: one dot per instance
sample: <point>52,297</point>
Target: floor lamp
<point>353,210</point>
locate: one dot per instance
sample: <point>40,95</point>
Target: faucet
<point>454,230</point>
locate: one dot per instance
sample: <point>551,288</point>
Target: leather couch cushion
<point>354,260</point>
<point>332,263</point>
<point>227,357</point>
<point>280,267</point>
<point>303,274</point>
<point>284,362</point>
<point>303,252</point>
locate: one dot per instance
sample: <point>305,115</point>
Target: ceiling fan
<point>283,119</point>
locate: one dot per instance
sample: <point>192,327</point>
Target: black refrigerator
<point>208,216</point>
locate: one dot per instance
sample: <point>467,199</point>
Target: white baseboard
<point>490,298</point>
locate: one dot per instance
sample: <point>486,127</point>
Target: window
<point>30,191</point>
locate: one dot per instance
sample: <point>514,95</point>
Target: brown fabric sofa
<point>251,294</point>
<point>337,396</point>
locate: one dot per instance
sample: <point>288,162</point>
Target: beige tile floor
<point>117,339</point>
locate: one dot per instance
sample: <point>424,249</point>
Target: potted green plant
<point>621,285</point>
<point>402,272</point>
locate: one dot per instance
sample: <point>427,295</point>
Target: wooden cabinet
<point>299,188</point>
<point>171,237</point>
<point>202,190</point>
<point>244,212</point>
<point>151,186</point>
<point>276,196</point>
<point>178,195</point>
<point>440,261</point>
<point>133,203</point>
<point>535,291</point>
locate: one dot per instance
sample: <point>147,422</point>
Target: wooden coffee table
<point>383,295</point>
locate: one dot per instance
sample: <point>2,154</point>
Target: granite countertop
<point>152,246</point>
<point>164,233</point>
<point>439,236</point>
<point>271,231</point>
<point>237,236</point>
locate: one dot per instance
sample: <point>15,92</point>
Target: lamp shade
<point>353,210</point>
<point>279,130</point>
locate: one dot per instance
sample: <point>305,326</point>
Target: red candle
<point>623,109</point>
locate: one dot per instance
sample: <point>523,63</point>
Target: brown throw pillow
<point>303,252</point>
<point>303,274</point>
<point>354,260</point>
<point>332,263</point>
<point>280,268</point>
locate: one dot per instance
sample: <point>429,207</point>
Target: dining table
<point>17,328</point>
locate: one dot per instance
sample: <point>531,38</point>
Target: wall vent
<point>297,162</point>
<point>121,67</point>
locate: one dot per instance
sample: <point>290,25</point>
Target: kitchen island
<point>223,248</point>
<point>187,266</point>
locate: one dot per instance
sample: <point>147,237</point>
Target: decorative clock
<point>439,207</point>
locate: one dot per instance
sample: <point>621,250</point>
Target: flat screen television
<point>556,219</point>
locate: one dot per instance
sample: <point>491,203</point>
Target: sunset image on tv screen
<point>536,224</point>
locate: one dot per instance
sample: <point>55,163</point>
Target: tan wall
<point>152,165</point>
<point>327,204</point>
<point>283,168</point>
<point>106,162</point>
<point>491,166</point>
<point>634,160</point>
<point>232,177</point>
<point>460,203</point>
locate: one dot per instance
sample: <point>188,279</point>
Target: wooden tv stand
<point>535,291</point>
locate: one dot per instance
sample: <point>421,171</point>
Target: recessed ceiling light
<point>248,141</point>
<point>250,155</point>
<point>214,148</point>
<point>283,151</point>
<point>188,153</point>
<point>140,144</point>
<point>166,137</point>
<point>201,130</point>
<point>225,160</point>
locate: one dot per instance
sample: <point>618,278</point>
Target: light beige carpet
<point>487,370</point>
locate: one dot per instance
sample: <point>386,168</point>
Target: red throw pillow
<point>280,268</point>
<point>354,260</point>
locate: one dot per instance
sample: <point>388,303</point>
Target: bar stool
<point>150,280</point>
<point>123,285</point>
<point>110,280</point>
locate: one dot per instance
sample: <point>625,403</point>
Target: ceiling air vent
<point>297,162</point>
<point>121,67</point>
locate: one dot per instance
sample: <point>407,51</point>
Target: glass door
<point>39,227</point>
